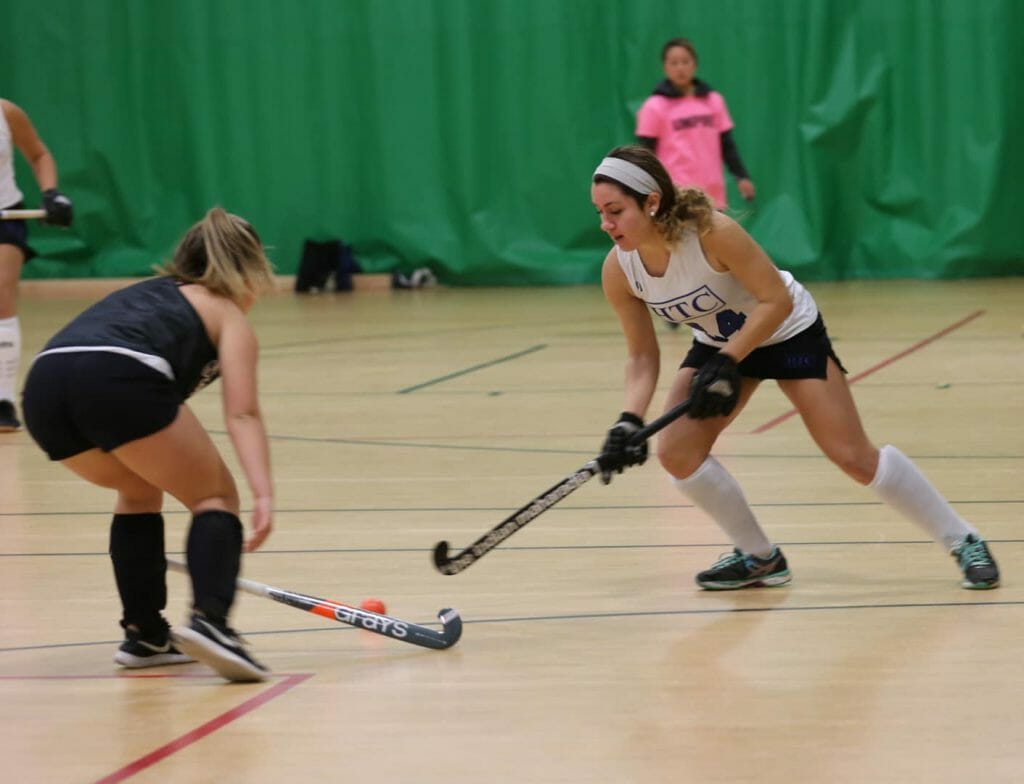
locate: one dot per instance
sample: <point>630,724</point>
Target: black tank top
<point>151,317</point>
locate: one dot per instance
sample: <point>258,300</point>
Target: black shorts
<point>15,232</point>
<point>79,401</point>
<point>805,355</point>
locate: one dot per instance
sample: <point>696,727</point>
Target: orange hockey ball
<point>374,606</point>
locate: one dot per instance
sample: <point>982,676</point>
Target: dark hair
<point>679,206</point>
<point>685,43</point>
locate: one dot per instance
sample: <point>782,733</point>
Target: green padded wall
<point>883,135</point>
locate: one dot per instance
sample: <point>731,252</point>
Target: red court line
<point>884,363</point>
<point>200,732</point>
<point>117,676</point>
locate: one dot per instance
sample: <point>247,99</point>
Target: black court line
<point>585,616</point>
<point>461,329</point>
<point>539,451</point>
<point>458,373</point>
<point>541,547</point>
<point>571,508</point>
<point>412,445</point>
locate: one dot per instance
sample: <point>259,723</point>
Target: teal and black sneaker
<point>978,565</point>
<point>739,570</point>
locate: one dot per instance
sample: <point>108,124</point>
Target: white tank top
<point>714,304</point>
<point>9,193</point>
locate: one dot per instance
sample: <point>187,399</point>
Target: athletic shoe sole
<point>771,581</point>
<point>211,653</point>
<point>133,662</point>
<point>980,586</point>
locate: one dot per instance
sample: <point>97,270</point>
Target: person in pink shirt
<point>687,125</point>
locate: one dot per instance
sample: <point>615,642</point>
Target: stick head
<point>441,560</point>
<point>452,624</point>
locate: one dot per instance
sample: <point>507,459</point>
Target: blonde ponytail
<point>223,253</point>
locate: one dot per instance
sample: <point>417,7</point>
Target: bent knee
<point>680,464</point>
<point>861,464</point>
<point>226,500</point>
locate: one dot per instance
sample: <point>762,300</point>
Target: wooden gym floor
<point>402,418</point>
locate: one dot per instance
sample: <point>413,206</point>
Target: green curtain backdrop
<point>883,135</point>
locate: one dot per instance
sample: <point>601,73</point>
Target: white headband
<point>628,174</point>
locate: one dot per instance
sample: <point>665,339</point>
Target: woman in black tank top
<point>107,397</point>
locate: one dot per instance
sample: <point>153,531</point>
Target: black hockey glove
<point>57,207</point>
<point>716,388</point>
<point>617,453</point>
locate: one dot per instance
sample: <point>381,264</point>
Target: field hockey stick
<point>451,623</point>
<point>540,504</point>
<point>21,214</point>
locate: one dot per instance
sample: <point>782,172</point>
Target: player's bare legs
<point>11,262</point>
<point>831,417</point>
<point>684,450</point>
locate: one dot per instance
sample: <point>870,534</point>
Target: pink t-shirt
<point>688,132</point>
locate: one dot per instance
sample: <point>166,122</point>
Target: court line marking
<point>200,732</point>
<point>432,332</point>
<point>666,546</point>
<point>730,610</point>
<point>498,509</point>
<point>474,368</point>
<point>397,442</point>
<point>875,368</point>
<point>583,616</point>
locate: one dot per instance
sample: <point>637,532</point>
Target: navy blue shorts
<point>94,399</point>
<point>805,355</point>
<point>15,232</point>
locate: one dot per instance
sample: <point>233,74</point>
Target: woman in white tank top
<point>676,257</point>
<point>16,131</point>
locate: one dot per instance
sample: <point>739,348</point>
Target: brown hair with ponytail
<point>679,207</point>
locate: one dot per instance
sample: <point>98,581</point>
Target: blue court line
<point>471,369</point>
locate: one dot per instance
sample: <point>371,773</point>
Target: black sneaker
<point>136,652</point>
<point>9,421</point>
<point>739,570</point>
<point>979,568</point>
<point>220,647</point>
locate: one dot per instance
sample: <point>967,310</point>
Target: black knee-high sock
<point>214,560</point>
<point>140,569</point>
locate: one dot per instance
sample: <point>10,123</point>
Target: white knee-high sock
<point>901,484</point>
<point>716,492</point>
<point>10,357</point>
